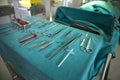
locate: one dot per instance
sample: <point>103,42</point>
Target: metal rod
<point>58,50</point>
<point>51,17</point>
<point>106,65</point>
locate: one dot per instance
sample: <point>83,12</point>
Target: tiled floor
<point>4,73</point>
<point>7,72</point>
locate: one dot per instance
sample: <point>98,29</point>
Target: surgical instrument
<point>26,39</point>
<point>38,44</point>
<point>82,47</point>
<point>33,39</point>
<point>27,35</point>
<point>66,34</point>
<point>45,24</point>
<point>59,49</point>
<point>57,32</point>
<point>44,32</point>
<point>61,62</point>
<point>83,27</point>
<point>46,45</point>
<point>56,24</point>
<point>88,49</point>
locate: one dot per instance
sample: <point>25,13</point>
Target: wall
<point>75,3</point>
<point>3,2</point>
<point>4,19</point>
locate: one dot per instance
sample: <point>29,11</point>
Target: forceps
<point>86,48</point>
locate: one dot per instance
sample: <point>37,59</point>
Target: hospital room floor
<point>6,73</point>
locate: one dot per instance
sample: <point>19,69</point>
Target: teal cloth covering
<point>106,8</point>
<point>101,23</point>
<point>33,65</point>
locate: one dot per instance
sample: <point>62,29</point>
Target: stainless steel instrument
<point>56,24</point>
<point>59,49</point>
<point>57,32</point>
<point>82,47</point>
<point>66,34</point>
<point>86,48</point>
<point>46,45</point>
<point>38,44</point>
<point>61,62</point>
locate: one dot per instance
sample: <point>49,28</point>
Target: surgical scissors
<point>87,47</point>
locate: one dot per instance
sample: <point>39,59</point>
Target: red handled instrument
<point>26,39</point>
